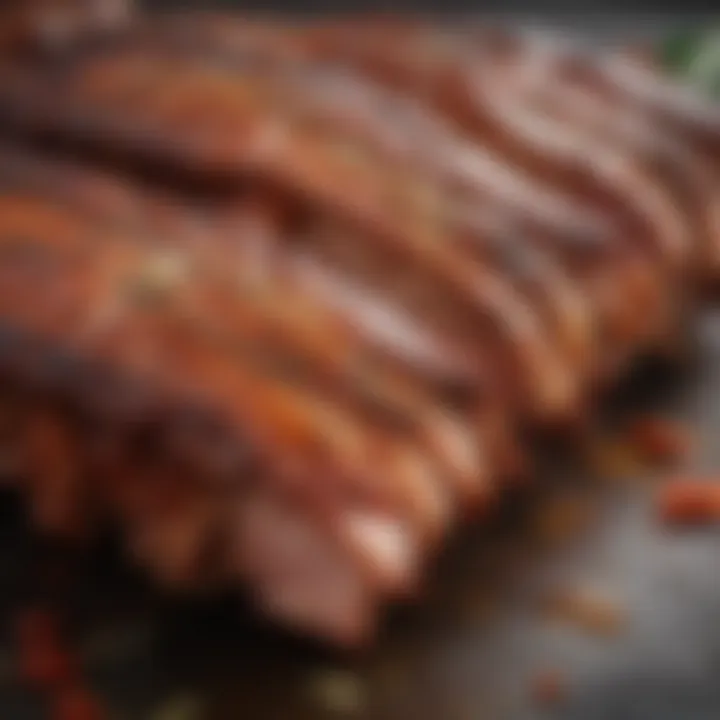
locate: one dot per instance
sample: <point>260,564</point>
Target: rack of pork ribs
<point>280,303</point>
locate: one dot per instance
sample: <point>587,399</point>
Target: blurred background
<point>614,15</point>
<point>600,21</point>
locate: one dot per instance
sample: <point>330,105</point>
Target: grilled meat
<point>305,288</point>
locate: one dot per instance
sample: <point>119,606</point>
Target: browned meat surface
<point>175,299</point>
<point>303,290</point>
<point>409,223</point>
<point>574,189</point>
<point>570,85</point>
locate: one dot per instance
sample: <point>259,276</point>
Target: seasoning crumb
<point>549,687</point>
<point>338,691</point>
<point>660,440</point>
<point>586,609</point>
<point>689,502</point>
<point>615,459</point>
<point>561,519</point>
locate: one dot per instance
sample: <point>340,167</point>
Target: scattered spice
<point>76,703</point>
<point>614,459</point>
<point>689,502</point>
<point>45,666</point>
<point>549,687</point>
<point>660,440</point>
<point>586,609</point>
<point>338,691</point>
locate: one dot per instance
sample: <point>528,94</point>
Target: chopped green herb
<point>677,52</point>
<point>694,56</point>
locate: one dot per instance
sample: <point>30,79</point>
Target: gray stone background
<point>612,19</point>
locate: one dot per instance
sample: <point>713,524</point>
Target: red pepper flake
<point>690,502</point>
<point>549,687</point>
<point>661,440</point>
<point>76,703</point>
<point>45,666</point>
<point>43,661</point>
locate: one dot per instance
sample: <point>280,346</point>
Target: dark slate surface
<point>622,10</point>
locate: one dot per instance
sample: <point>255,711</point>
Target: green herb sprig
<point>695,57</point>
